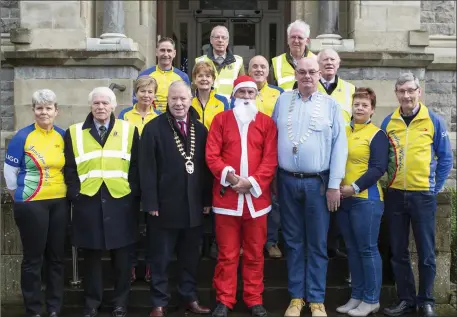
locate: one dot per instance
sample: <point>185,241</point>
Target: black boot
<point>220,311</point>
<point>258,311</point>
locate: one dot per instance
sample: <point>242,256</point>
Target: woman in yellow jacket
<point>206,101</point>
<point>359,217</point>
<point>141,113</point>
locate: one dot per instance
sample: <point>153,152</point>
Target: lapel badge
<point>115,133</point>
<point>229,66</point>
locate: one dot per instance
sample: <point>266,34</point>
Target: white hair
<point>406,77</point>
<point>44,97</point>
<point>183,84</point>
<point>326,51</point>
<point>220,27</point>
<point>104,91</point>
<point>301,25</point>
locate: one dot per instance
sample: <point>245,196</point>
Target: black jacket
<point>165,184</point>
<point>102,222</point>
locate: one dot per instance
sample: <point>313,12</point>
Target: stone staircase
<point>276,297</point>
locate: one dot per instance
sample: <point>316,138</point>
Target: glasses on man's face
<point>220,37</point>
<point>409,91</point>
<point>304,72</point>
<point>297,38</point>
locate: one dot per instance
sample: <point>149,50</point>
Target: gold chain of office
<point>189,164</point>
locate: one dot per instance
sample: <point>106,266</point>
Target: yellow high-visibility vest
<point>223,85</point>
<point>109,164</point>
<point>284,72</point>
<point>343,95</point>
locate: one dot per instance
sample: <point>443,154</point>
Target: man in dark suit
<point>101,175</point>
<point>176,187</point>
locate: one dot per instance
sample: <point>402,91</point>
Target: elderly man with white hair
<point>284,65</point>
<point>332,85</point>
<point>101,173</point>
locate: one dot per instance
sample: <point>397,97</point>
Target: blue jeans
<point>359,221</point>
<point>273,223</point>
<point>304,222</point>
<point>418,209</point>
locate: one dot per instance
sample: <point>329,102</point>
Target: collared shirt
<point>319,122</point>
<point>98,125</point>
<point>415,110</point>
<point>331,81</point>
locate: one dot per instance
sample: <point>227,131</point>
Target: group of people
<point>255,156</point>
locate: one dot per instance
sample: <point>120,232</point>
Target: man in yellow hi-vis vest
<point>228,66</point>
<point>284,64</point>
<point>101,174</point>
<point>331,84</point>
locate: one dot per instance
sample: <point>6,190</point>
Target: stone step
<point>275,298</point>
<point>275,271</point>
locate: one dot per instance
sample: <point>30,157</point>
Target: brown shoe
<point>196,308</point>
<point>274,252</point>
<point>158,312</point>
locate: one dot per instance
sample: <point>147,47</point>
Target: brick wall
<point>438,17</point>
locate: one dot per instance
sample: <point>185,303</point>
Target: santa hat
<point>244,81</point>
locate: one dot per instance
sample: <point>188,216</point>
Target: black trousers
<point>334,234</point>
<point>42,225</point>
<point>93,277</point>
<point>162,243</point>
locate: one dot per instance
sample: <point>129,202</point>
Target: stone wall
<point>438,17</point>
<point>9,15</point>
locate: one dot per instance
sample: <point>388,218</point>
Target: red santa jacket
<point>249,150</point>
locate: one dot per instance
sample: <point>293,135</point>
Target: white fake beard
<point>245,110</point>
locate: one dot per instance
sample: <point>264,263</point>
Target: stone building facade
<point>73,46</point>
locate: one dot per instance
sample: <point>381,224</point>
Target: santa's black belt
<point>305,175</point>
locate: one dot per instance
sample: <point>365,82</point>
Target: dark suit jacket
<point>165,185</point>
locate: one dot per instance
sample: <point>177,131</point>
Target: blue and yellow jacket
<point>216,103</point>
<point>266,99</point>
<point>164,79</point>
<point>368,150</point>
<point>132,115</point>
<point>40,158</point>
<point>420,154</point>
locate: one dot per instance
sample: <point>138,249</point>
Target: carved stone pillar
<point>113,20</point>
<point>328,19</point>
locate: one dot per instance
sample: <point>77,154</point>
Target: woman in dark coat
<point>101,221</point>
<point>176,188</point>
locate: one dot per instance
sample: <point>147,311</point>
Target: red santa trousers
<point>232,233</point>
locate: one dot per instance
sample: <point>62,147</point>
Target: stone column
<point>328,19</point>
<point>113,20</point>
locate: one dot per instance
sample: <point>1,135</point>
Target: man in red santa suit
<point>241,152</point>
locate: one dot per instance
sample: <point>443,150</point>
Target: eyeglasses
<point>220,37</point>
<point>304,72</point>
<point>298,38</point>
<point>409,91</point>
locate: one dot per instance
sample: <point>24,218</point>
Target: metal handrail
<point>75,281</point>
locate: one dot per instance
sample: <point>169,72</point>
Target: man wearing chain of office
<point>312,153</point>
<point>176,186</point>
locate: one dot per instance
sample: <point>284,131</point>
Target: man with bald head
<point>312,153</point>
<point>332,85</point>
<point>227,66</point>
<point>265,101</point>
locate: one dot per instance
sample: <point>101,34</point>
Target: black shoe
<point>220,311</point>
<point>258,311</point>
<point>119,311</point>
<point>53,314</point>
<point>427,310</point>
<point>399,309</point>
<point>36,315</point>
<point>91,312</point>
